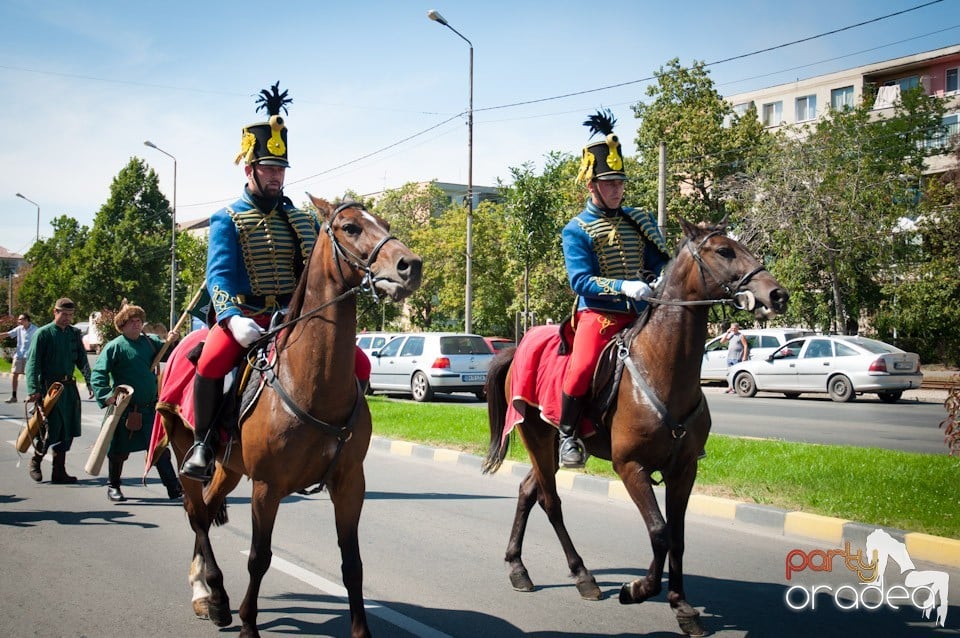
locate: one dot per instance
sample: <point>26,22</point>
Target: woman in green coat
<point>126,361</point>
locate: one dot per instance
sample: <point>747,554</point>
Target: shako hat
<point>266,142</point>
<point>602,159</point>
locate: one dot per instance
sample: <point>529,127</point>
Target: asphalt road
<point>432,538</point>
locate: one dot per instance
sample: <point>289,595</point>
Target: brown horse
<point>311,423</point>
<point>659,420</point>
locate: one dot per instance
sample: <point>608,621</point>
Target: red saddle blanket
<point>536,380</point>
<point>176,387</point>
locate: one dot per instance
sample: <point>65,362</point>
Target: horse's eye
<point>726,252</point>
<point>352,229</point>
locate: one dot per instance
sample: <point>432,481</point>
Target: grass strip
<point>902,490</point>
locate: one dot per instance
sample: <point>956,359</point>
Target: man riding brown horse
<point>612,253</point>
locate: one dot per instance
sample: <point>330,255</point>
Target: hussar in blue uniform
<point>257,248</point>
<point>611,252</point>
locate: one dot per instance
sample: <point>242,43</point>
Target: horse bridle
<point>736,296</point>
<point>341,254</point>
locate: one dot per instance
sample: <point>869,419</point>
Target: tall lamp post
<point>173,238</point>
<point>38,212</point>
<point>468,303</point>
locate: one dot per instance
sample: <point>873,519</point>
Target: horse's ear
<point>689,230</point>
<point>722,224</point>
<point>324,208</point>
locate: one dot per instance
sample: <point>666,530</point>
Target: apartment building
<point>792,105</point>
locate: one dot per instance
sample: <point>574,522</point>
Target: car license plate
<point>473,378</point>
<point>903,365</point>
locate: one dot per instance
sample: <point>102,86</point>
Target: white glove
<point>635,289</point>
<point>244,329</point>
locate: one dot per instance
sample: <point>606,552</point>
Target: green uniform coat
<point>54,353</point>
<point>126,361</point>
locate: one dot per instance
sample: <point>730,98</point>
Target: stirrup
<point>572,454</point>
<point>197,470</point>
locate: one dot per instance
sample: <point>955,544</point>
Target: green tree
<point>921,300</point>
<point>410,210</point>
<point>128,252</point>
<point>537,209</point>
<point>825,201</point>
<point>56,269</point>
<point>705,142</point>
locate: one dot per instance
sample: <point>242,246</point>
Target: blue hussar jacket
<point>254,258</point>
<point>602,250</point>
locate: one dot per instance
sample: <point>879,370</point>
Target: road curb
<point>801,525</point>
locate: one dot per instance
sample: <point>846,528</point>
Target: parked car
<point>370,342</point>
<point>760,341</point>
<point>499,343</point>
<point>422,363</point>
<point>842,366</point>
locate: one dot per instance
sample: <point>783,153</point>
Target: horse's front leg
<point>678,495</point>
<point>203,505</point>
<point>263,505</point>
<point>347,495</point>
<point>637,481</point>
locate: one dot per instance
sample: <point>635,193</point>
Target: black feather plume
<point>602,122</point>
<point>273,102</point>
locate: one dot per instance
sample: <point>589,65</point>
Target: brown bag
<point>134,420</point>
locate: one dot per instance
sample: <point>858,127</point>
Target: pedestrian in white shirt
<point>24,334</point>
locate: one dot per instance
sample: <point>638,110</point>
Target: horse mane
<point>296,300</point>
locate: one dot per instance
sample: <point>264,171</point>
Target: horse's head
<point>363,248</point>
<point>727,269</point>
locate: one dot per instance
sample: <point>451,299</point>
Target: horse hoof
<point>201,608</point>
<point>588,590</point>
<point>690,625</point>
<point>220,614</point>
<point>521,581</point>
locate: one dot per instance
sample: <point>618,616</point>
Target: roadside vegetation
<point>901,490</point>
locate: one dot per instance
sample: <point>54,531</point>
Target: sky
<point>380,92</point>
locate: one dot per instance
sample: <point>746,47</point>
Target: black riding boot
<point>572,454</point>
<point>169,476</point>
<point>207,395</point>
<point>35,467</point>
<point>59,474</point>
<point>114,470</point>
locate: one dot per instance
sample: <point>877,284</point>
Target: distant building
<point>10,262</point>
<point>806,101</point>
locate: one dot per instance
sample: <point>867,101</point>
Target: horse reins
<point>340,253</point>
<point>734,292</point>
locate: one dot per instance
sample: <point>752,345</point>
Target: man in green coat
<point>55,352</point>
<point>126,360</point>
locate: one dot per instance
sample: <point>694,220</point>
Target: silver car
<point>760,343</point>
<point>423,363</point>
<point>842,366</point>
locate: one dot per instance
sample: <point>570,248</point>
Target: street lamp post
<point>468,302</point>
<point>173,238</point>
<point>38,212</point>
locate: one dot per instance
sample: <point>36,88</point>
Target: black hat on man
<point>602,159</point>
<point>266,142</point>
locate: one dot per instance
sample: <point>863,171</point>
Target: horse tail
<point>220,518</point>
<point>497,409</point>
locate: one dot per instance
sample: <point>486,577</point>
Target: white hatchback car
<point>761,342</point>
<point>840,365</point>
<point>421,363</point>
